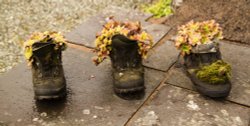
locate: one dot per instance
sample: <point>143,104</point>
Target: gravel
<point>19,18</point>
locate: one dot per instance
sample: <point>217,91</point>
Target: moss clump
<point>160,9</point>
<point>216,73</point>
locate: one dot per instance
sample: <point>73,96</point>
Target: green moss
<point>159,9</point>
<point>216,73</point>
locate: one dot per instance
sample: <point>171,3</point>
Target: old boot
<point>47,72</point>
<point>204,56</point>
<point>128,72</point>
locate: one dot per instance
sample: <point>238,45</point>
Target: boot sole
<point>209,92</point>
<point>130,94</point>
<point>222,93</point>
<point>46,94</point>
<point>119,90</point>
<point>212,94</point>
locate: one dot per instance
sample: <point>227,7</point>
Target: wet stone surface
<point>26,16</point>
<point>162,57</point>
<point>90,99</point>
<point>236,55</point>
<point>85,33</point>
<point>174,106</point>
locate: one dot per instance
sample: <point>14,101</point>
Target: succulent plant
<point>46,37</point>
<point>131,30</point>
<point>196,33</point>
<point>159,9</point>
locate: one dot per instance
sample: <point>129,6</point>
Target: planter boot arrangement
<point>199,44</point>
<point>126,44</point>
<point>128,72</point>
<point>43,52</point>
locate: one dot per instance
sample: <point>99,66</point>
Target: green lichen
<point>159,9</point>
<point>216,73</point>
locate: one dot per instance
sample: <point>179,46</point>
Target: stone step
<point>236,55</point>
<point>162,57</point>
<point>174,106</point>
<point>85,33</point>
<point>90,100</point>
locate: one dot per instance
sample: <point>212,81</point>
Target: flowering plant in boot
<point>131,30</point>
<point>45,37</point>
<point>197,33</point>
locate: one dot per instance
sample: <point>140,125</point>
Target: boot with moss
<point>199,44</point>
<point>209,74</point>
<point>128,72</point>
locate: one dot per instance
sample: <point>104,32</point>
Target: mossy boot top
<point>212,84</point>
<point>47,72</point>
<point>128,72</point>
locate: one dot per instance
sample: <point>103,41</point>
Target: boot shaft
<point>202,55</point>
<point>124,53</point>
<point>47,61</point>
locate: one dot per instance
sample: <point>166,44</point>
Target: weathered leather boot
<point>204,55</point>
<point>47,72</point>
<point>128,72</point>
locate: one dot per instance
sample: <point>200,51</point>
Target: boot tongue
<point>122,40</point>
<point>124,53</point>
<point>43,53</point>
<point>42,49</point>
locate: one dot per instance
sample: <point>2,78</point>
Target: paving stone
<point>236,55</point>
<point>174,106</point>
<point>90,99</point>
<point>162,57</point>
<point>178,77</point>
<point>85,33</point>
<point>158,31</point>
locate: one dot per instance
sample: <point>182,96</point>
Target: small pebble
<point>7,114</point>
<point>44,124</point>
<point>98,107</point>
<point>19,120</point>
<point>110,123</point>
<point>121,74</point>
<point>35,119</point>
<point>86,112</point>
<point>43,114</point>
<point>40,121</point>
